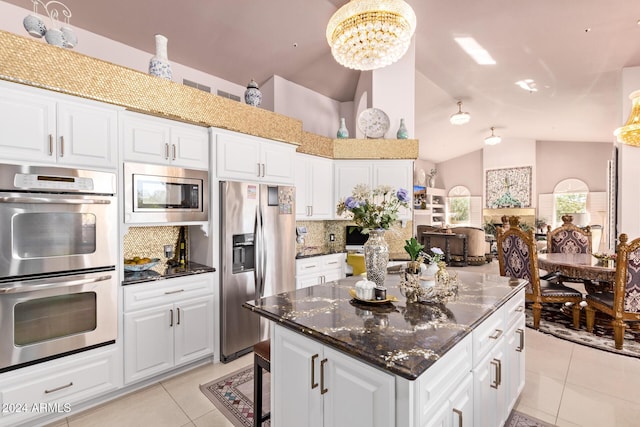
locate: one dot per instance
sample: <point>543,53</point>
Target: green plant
<point>489,228</point>
<point>413,248</point>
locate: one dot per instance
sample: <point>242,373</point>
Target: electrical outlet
<point>332,237</point>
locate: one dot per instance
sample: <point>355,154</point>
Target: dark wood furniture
<point>517,257</point>
<point>426,236</point>
<point>623,303</point>
<point>595,275</point>
<point>261,363</point>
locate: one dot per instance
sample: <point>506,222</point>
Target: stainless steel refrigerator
<point>257,238</point>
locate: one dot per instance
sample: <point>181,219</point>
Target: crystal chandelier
<point>460,118</point>
<point>370,34</point>
<point>492,139</point>
<point>630,133</point>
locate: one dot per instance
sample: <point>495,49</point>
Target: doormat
<point>233,396</point>
<point>559,324</point>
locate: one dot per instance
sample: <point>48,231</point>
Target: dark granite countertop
<point>403,339</point>
<point>317,252</point>
<point>163,271</point>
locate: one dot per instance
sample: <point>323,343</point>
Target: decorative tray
<point>390,298</point>
<point>373,122</point>
<point>142,267</point>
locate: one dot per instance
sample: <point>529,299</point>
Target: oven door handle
<point>57,282</point>
<point>47,200</point>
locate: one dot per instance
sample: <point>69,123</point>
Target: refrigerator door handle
<point>256,254</point>
<point>263,256</point>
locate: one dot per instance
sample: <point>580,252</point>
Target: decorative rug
<point>559,324</point>
<point>518,419</point>
<point>233,396</point>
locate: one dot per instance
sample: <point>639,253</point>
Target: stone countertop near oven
<point>163,271</point>
<point>403,339</point>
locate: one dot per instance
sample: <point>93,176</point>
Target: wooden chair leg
<point>536,308</point>
<point>618,332</point>
<point>591,317</point>
<point>575,310</point>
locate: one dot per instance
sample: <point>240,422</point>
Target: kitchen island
<point>338,361</point>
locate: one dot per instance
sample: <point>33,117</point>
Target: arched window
<point>570,197</point>
<point>459,206</point>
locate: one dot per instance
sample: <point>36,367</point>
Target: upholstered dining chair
<point>569,238</point>
<point>518,258</point>
<point>623,304</point>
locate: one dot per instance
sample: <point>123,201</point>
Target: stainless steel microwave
<point>157,194</point>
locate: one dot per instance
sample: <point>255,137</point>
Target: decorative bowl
<point>142,267</point>
<point>373,122</point>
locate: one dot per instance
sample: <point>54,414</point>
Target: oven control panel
<point>52,182</point>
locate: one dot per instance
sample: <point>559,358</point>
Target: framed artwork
<point>508,188</point>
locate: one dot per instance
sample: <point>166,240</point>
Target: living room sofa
<point>477,246</point>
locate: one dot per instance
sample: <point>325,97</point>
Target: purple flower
<point>351,203</point>
<point>402,194</point>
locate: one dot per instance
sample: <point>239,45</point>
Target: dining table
<point>595,274</point>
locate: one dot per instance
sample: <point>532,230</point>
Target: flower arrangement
<point>374,209</point>
<point>435,257</point>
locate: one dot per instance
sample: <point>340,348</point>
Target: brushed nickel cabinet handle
<point>177,291</point>
<point>495,384</point>
<point>521,346</point>
<point>53,390</point>
<point>499,372</point>
<point>323,389</point>
<point>259,169</point>
<point>50,145</point>
<point>174,151</point>
<point>459,413</point>
<point>166,151</point>
<point>496,335</point>
<point>314,384</point>
<point>178,310</point>
<point>171,321</point>
<point>62,146</point>
<point>520,309</point>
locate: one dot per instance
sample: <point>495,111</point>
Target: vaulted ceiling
<point>574,50</point>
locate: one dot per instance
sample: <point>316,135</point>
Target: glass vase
<point>376,257</point>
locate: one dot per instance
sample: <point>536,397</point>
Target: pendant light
<point>460,118</point>
<point>492,139</point>
<point>630,133</point>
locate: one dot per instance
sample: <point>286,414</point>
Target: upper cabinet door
<point>27,126</point>
<point>87,135</point>
<point>278,160</point>
<point>190,147</point>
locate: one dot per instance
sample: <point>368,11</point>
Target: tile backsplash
<point>149,241</point>
<point>318,232</point>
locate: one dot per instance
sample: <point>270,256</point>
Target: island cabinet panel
<point>247,158</point>
<point>39,126</point>
<point>315,385</point>
<point>166,142</point>
<point>314,188</point>
<point>319,269</point>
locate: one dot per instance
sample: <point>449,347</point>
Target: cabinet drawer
<point>311,265</point>
<point>145,295</point>
<point>333,261</point>
<point>487,334</point>
<point>75,380</point>
<point>514,309</point>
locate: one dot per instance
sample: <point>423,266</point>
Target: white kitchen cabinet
<point>315,385</point>
<point>43,127</point>
<point>320,269</point>
<point>249,158</point>
<point>58,385</point>
<point>314,188</point>
<point>395,173</point>
<point>148,139</point>
<point>167,324</point>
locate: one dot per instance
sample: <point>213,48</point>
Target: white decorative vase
<point>159,64</point>
<point>376,257</point>
<point>428,276</point>
<point>343,132</point>
<point>253,96</point>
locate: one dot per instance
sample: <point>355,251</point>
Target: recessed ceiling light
<point>528,85</point>
<point>474,50</point>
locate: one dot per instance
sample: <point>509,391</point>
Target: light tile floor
<point>566,384</point>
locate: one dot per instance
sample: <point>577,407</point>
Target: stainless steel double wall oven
<point>58,251</point>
